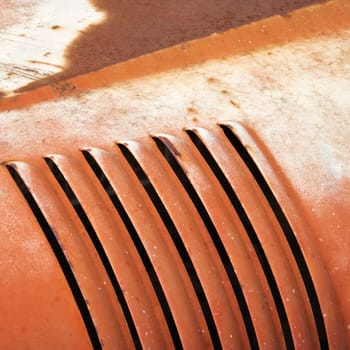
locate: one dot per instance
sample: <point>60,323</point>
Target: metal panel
<point>120,229</point>
<point>184,241</point>
<point>37,306</point>
<point>78,258</point>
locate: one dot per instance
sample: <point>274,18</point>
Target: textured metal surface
<point>181,242</point>
<point>167,202</point>
<point>37,308</point>
<point>84,268</point>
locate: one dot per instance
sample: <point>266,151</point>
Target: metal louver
<point>183,242</point>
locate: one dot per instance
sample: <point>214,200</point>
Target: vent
<point>178,242</point>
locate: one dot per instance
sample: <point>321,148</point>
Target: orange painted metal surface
<point>37,307</point>
<point>195,251</point>
<point>192,234</point>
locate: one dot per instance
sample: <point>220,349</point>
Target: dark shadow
<point>134,27</point>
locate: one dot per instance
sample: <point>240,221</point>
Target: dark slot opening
<point>288,231</point>
<point>231,194</point>
<point>98,245</point>
<point>62,259</point>
<point>168,222</point>
<point>139,246</point>
<point>167,153</point>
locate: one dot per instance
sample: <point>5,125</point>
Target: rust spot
<point>55,27</point>
<point>224,92</point>
<point>235,104</point>
<point>212,80</point>
<point>192,110</point>
<point>195,120</point>
<point>184,46</point>
<point>169,146</point>
<point>46,54</point>
<point>287,15</point>
<point>64,89</point>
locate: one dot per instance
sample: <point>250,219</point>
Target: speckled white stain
<point>35,47</point>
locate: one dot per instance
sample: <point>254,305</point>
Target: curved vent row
<point>175,242</point>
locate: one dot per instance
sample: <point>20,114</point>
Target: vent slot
<point>168,222</point>
<point>139,246</point>
<point>61,258</point>
<point>288,232</point>
<point>251,233</point>
<point>99,248</point>
<point>168,151</point>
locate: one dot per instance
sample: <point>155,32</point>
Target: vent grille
<point>177,242</point>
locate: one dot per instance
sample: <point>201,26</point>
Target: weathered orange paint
<point>172,238</point>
